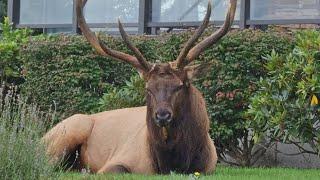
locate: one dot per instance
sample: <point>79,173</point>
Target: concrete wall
<point>274,158</point>
<point>280,155</point>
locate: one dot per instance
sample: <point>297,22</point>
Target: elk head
<point>166,83</point>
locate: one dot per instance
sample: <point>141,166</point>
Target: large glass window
<point>108,11</point>
<point>284,9</point>
<point>60,11</point>
<point>188,10</point>
<point>46,11</point>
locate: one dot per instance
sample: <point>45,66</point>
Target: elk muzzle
<point>163,117</point>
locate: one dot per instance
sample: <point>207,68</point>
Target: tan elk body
<point>171,133</point>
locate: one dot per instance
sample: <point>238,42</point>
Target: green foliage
<point>10,42</point>
<point>283,103</point>
<point>130,95</point>
<point>231,83</point>
<point>22,156</point>
<point>65,72</point>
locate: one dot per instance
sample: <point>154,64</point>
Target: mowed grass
<point>222,173</point>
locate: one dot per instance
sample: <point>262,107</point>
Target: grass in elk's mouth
<point>222,173</point>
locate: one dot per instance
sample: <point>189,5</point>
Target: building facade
<point>148,16</point>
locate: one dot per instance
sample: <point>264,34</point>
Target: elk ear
<point>145,75</point>
<point>197,71</point>
<point>142,74</point>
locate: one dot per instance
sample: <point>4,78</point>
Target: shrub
<point>67,73</point>
<point>21,127</point>
<point>10,43</point>
<point>65,70</point>
<point>283,103</point>
<point>231,83</point>
<point>132,94</point>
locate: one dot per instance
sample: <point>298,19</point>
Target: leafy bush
<point>21,127</point>
<point>10,43</point>
<point>67,72</point>
<point>231,83</point>
<point>130,95</point>
<point>283,103</point>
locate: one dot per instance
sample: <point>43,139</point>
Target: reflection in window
<point>60,11</point>
<point>188,10</point>
<point>108,11</point>
<point>46,11</point>
<point>285,9</point>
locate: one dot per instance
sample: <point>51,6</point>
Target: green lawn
<point>222,173</point>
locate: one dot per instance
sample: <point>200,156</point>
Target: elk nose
<point>163,118</point>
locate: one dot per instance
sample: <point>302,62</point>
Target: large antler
<point>138,61</point>
<point>184,52</point>
<point>187,56</point>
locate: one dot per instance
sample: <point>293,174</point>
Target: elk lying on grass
<point>169,134</point>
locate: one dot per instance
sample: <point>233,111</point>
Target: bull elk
<point>170,133</point>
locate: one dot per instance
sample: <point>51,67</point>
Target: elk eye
<point>178,88</point>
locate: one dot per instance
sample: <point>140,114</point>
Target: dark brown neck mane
<point>186,148</point>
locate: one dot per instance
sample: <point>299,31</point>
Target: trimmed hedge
<point>66,73</point>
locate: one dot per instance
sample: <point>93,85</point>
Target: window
<point>108,11</point>
<point>60,11</point>
<point>46,11</point>
<point>284,9</point>
<point>188,10</point>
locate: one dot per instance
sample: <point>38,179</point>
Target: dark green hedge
<point>66,72</point>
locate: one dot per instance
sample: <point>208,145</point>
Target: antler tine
<point>196,50</point>
<point>142,60</point>
<point>98,44</point>
<point>181,61</point>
